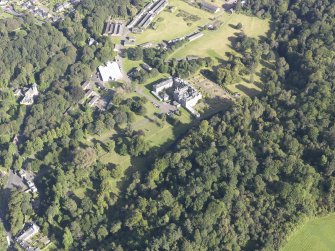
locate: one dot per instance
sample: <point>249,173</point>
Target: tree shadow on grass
<point>208,75</point>
<point>215,105</point>
<point>259,85</point>
<point>102,144</point>
<point>267,65</point>
<point>233,26</point>
<point>234,39</point>
<point>251,92</point>
<point>141,165</point>
<point>246,80</point>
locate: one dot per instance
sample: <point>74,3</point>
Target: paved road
<point>162,106</point>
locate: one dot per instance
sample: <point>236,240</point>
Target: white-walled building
<point>29,95</point>
<point>111,71</point>
<point>182,93</point>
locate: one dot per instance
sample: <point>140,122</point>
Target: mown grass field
<point>172,26</point>
<point>216,43</point>
<point>316,235</point>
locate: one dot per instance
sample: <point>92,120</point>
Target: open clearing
<point>172,26</point>
<point>216,43</point>
<point>316,235</point>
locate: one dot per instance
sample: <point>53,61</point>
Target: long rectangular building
<point>195,36</point>
<point>145,17</point>
<point>114,28</point>
<point>140,15</point>
<point>158,6</point>
<point>144,20</point>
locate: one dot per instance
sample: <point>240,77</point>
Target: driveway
<point>14,181</point>
<point>162,106</point>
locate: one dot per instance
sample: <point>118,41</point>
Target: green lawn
<point>157,135</point>
<point>172,26</point>
<point>216,43</point>
<point>130,64</point>
<point>316,235</point>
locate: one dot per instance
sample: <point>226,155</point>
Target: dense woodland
<point>242,180</point>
